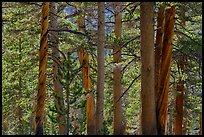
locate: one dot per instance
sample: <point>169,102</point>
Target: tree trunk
<point>90,112</point>
<point>178,119</point>
<point>84,62</point>
<point>100,69</point>
<point>57,85</point>
<point>83,58</point>
<point>179,109</point>
<point>147,71</point>
<point>42,70</point>
<point>117,87</point>
<point>158,54</point>
<point>164,75</point>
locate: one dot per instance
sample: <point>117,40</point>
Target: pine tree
<point>147,70</point>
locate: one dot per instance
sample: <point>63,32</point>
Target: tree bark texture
<point>84,62</point>
<point>158,50</point>
<point>100,68</point>
<point>42,70</point>
<point>164,73</point>
<point>147,71</point>
<point>117,87</point>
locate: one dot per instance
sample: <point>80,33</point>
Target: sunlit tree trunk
<point>90,105</point>
<point>42,70</point>
<point>117,87</point>
<point>164,75</point>
<point>147,71</point>
<point>57,85</point>
<point>100,69</point>
<point>90,112</point>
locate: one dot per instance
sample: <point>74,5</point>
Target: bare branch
<point>128,87</point>
<point>58,50</point>
<point>68,30</point>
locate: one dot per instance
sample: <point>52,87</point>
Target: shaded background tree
<point>21,24</point>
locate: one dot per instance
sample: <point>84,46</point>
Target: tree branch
<point>50,45</point>
<point>128,87</point>
<point>68,30</point>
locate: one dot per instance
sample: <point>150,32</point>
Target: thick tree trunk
<point>42,70</point>
<point>57,85</point>
<point>117,87</point>
<point>100,69</point>
<point>164,75</point>
<point>147,71</point>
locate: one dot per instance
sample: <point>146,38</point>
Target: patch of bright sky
<point>92,24</point>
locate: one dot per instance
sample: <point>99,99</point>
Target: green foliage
<point>20,47</point>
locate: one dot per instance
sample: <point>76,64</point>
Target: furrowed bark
<point>158,54</point>
<point>164,77</point>
<point>42,70</point>
<point>158,45</point>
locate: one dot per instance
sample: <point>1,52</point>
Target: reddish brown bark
<point>164,75</point>
<point>90,114</point>
<point>84,62</point>
<point>148,118</point>
<point>158,49</point>
<point>179,109</point>
<point>42,70</point>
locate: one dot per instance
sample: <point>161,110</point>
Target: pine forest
<point>101,68</point>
